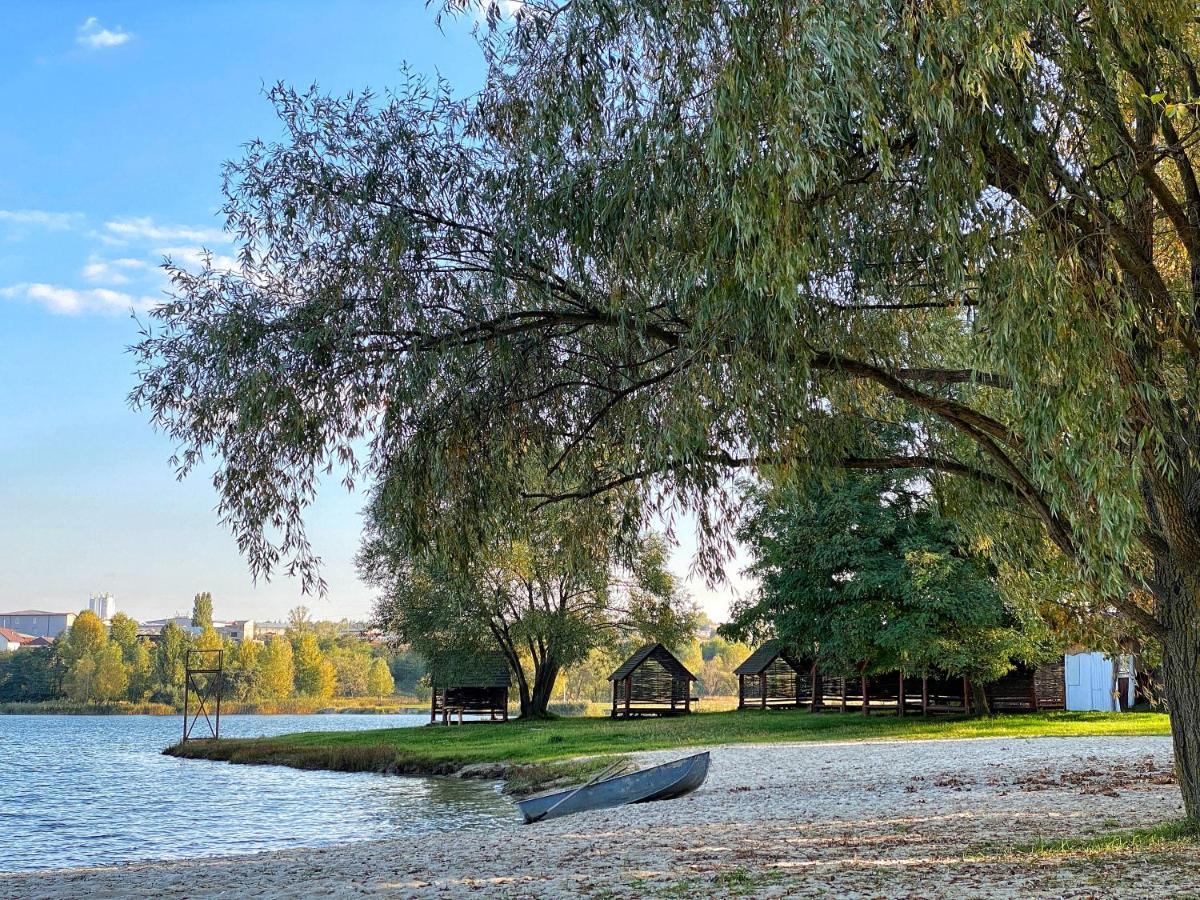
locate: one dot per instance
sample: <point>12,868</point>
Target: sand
<point>875,819</point>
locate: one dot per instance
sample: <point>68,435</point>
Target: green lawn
<point>442,749</point>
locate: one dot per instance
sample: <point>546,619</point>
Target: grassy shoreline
<point>298,706</point>
<point>536,752</point>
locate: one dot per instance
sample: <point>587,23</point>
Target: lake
<point>96,790</point>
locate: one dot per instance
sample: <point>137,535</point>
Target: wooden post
<point>433,706</point>
<point>866,701</point>
<point>762,690</point>
<point>741,692</point>
<point>925,694</point>
<point>687,696</point>
<point>843,693</point>
<point>186,691</point>
<point>221,690</point>
<point>628,692</point>
<point>1033,698</point>
<point>614,706</point>
<point>900,702</point>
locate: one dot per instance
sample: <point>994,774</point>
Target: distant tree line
<point>92,663</point>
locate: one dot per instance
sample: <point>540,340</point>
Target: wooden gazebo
<point>465,682</point>
<point>651,682</point>
<point>774,677</point>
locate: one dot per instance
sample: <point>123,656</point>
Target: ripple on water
<point>96,790</point>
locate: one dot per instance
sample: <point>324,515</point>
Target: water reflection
<point>84,790</point>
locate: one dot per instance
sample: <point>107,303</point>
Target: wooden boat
<point>665,782</point>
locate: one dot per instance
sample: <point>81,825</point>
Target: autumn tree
<point>277,668</point>
<point>379,679</point>
<point>314,673</point>
<point>667,241</point>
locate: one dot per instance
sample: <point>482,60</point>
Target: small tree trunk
<point>979,698</point>
<point>1181,688</point>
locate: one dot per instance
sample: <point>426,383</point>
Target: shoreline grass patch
<point>441,750</point>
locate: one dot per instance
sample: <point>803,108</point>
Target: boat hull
<point>665,782</point>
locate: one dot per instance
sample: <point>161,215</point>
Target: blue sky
<point>117,119</point>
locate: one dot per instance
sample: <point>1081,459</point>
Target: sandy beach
<point>886,819</point>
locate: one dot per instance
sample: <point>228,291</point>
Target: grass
<point>1167,836</point>
<point>441,750</point>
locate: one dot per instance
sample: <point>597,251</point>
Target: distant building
<point>40,642</point>
<point>37,622</point>
<point>265,630</point>
<point>103,605</point>
<point>13,640</point>
<point>238,630</point>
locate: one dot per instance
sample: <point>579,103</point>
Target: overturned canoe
<point>665,782</point>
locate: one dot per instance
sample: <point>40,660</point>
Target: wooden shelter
<point>774,677</point>
<point>652,682</point>
<point>1027,688</point>
<point>473,683</point>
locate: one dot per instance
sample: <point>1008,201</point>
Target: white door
<point>1089,682</point>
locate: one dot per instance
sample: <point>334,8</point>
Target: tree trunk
<point>544,677</point>
<point>1179,612</point>
<point>523,692</point>
<point>979,698</point>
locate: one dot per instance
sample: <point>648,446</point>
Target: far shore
<point>265,708</point>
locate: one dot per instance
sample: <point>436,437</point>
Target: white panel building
<point>103,605</point>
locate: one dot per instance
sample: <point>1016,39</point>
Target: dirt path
<point>897,819</point>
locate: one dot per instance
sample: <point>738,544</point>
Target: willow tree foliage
<point>545,590</point>
<point>679,238</point>
<point>864,574</point>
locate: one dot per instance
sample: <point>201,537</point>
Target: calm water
<point>95,790</point>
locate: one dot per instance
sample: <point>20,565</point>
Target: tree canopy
<point>668,240</point>
<point>863,572</point>
<point>544,589</point>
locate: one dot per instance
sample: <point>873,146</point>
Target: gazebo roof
<point>661,654</point>
<point>758,661</point>
<point>464,669</point>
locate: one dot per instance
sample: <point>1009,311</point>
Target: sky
<point>118,117</point>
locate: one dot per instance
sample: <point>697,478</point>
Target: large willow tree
<point>669,240</point>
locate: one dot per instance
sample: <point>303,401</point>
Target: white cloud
<point>70,302</point>
<point>55,221</point>
<point>93,35</point>
<point>109,271</point>
<point>121,231</point>
<point>193,258</point>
